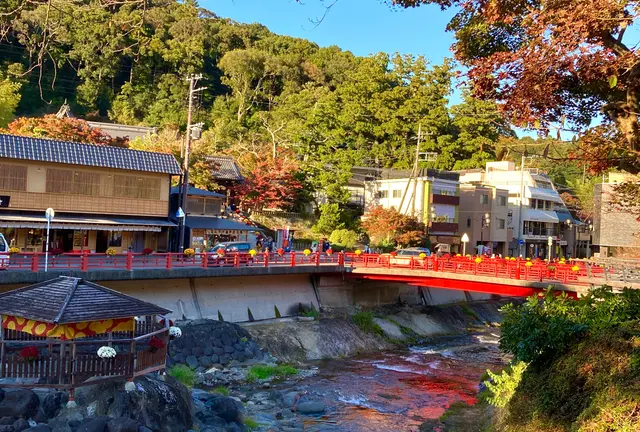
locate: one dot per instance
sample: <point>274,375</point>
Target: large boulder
<point>98,424</point>
<point>162,404</point>
<point>122,424</point>
<point>225,408</point>
<point>53,403</point>
<point>19,403</point>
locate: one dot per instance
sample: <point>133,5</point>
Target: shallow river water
<point>398,391</point>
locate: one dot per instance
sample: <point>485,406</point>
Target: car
<point>229,248</point>
<point>4,253</point>
<point>404,256</point>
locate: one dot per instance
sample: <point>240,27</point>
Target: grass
<point>365,321</point>
<point>263,372</point>
<point>184,374</point>
<point>311,314</point>
<point>250,423</point>
<point>222,390</point>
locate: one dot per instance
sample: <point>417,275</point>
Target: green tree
<point>9,99</point>
<point>329,219</point>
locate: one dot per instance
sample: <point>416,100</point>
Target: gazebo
<point>54,334</point>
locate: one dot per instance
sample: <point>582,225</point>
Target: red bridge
<point>504,276</point>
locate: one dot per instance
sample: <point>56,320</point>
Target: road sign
<point>49,214</point>
<point>179,213</point>
<point>520,242</point>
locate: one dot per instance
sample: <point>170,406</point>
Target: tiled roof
<point>48,150</point>
<point>224,168</point>
<point>66,300</point>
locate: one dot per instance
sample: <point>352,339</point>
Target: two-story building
<point>483,217</point>
<point>536,211</point>
<point>103,197</point>
<point>432,197</point>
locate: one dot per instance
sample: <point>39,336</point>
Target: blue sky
<point>361,26</point>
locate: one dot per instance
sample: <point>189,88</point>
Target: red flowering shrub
<point>147,251</point>
<point>163,322</point>
<point>280,251</point>
<point>155,344</point>
<point>29,353</point>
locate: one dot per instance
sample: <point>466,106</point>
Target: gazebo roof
<point>67,300</point>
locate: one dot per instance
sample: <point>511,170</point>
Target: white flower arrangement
<point>106,352</point>
<point>175,332</point>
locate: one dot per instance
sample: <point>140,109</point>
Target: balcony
<point>445,199</point>
<point>443,227</point>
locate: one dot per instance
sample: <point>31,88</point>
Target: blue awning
<point>563,216</point>
<point>214,223</point>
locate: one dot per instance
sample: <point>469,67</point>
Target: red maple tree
<point>271,183</point>
<point>65,129</point>
<point>389,226</point>
<point>557,65</point>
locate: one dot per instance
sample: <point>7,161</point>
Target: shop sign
<point>4,200</point>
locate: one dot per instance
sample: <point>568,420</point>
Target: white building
<point>543,215</point>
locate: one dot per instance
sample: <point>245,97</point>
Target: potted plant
<point>29,353</point>
<point>106,353</point>
<point>175,332</point>
<point>189,252</point>
<point>147,251</point>
<point>155,344</point>
<point>13,251</point>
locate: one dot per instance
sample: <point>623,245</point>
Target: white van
<point>4,253</point>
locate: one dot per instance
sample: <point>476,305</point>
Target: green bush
<point>222,390</point>
<point>184,374</point>
<point>250,423</point>
<point>365,321</point>
<point>500,388</point>
<point>263,372</point>
<point>344,237</point>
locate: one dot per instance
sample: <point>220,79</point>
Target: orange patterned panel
<point>67,331</point>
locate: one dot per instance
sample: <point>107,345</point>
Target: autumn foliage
<point>271,183</point>
<point>557,65</point>
<point>390,227</point>
<point>65,129</point>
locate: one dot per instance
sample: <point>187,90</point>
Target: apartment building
<point>483,217</point>
<point>432,197</point>
<point>103,197</point>
<point>535,211</point>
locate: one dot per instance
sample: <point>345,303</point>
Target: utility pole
<point>193,79</point>
<point>519,227</point>
<point>414,171</point>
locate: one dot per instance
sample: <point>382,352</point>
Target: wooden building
<point>104,197</point>
<point>53,332</point>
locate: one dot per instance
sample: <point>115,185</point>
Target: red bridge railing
<point>570,272</point>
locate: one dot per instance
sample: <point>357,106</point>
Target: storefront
<point>76,233</point>
<point>205,232</point>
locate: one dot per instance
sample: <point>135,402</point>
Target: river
<point>399,390</point>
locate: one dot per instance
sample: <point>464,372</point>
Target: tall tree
<point>557,64</point>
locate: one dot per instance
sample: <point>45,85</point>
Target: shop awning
<point>563,216</point>
<point>85,223</point>
<point>543,194</point>
<point>213,223</point>
<point>540,216</point>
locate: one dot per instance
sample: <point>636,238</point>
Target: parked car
<point>230,248</point>
<point>403,256</point>
<point>4,253</point>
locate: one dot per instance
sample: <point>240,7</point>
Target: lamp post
<point>572,226</point>
<point>550,244</point>
<point>464,240</point>
<point>49,215</point>
<point>590,228</point>
<point>486,220</point>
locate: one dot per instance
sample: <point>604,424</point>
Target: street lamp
<point>49,215</point>
<point>572,226</point>
<point>485,223</point>
<point>464,240</point>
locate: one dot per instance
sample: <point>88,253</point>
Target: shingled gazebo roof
<point>67,300</point>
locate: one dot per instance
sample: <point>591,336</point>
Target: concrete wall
<point>231,296</point>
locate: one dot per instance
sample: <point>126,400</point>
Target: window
<point>484,199</point>
<point>468,222</point>
<point>73,182</point>
<point>195,205</point>
<point>445,192</point>
<point>547,205</point>
<point>115,238</point>
<point>501,223</point>
<point>533,203</point>
<point>502,200</point>
<point>13,177</point>
<point>212,207</point>
<point>136,187</point>
<point>383,194</point>
<point>540,205</point>
<point>397,193</point>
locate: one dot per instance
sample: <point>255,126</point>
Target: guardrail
<point>571,272</point>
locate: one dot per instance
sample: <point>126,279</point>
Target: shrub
<point>250,423</point>
<point>344,237</point>
<point>111,252</point>
<point>365,321</point>
<point>29,353</point>
<point>147,251</point>
<point>189,252</point>
<point>500,388</point>
<point>263,372</point>
<point>184,374</point>
<point>14,250</point>
<point>221,390</point>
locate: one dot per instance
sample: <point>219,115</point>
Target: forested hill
<point>127,61</point>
